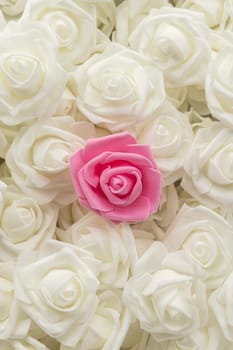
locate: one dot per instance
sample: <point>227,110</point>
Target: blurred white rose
<point>7,135</point>
<point>208,338</point>
<point>212,9</point>
<point>165,295</point>
<point>13,322</point>
<point>221,303</point>
<point>177,95</point>
<point>56,287</point>
<point>130,13</point>
<point>113,245</point>
<point>169,134</point>
<point>12,8</point>
<point>177,41</point>
<point>73,24</point>
<point>24,225</point>
<point>219,86</point>
<point>27,343</point>
<point>118,88</point>
<point>109,325</point>
<point>197,99</point>
<point>38,158</point>
<point>67,104</point>
<point>31,81</point>
<point>208,169</point>
<point>207,238</point>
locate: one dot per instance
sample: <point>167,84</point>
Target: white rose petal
<point>28,343</point>
<point>57,287</point>
<point>118,88</point>
<point>39,158</point>
<point>207,238</point>
<point>23,223</point>
<point>31,80</point>
<point>169,135</point>
<point>221,304</point>
<point>208,169</point>
<point>212,9</point>
<point>113,245</point>
<point>219,93</point>
<point>73,26</point>
<point>13,323</point>
<point>108,326</point>
<point>165,296</point>
<point>177,41</point>
<point>12,8</point>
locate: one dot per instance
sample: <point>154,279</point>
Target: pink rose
<point>117,178</point>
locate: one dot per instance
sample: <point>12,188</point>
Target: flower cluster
<point>116,175</point>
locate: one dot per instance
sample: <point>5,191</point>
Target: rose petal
<point>137,211</point>
<point>95,198</point>
<point>111,143</point>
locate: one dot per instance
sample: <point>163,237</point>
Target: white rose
<point>109,325</point>
<point>177,41</point>
<point>57,288</point>
<point>208,338</point>
<point>169,134</point>
<point>212,9</point>
<point>12,8</point>
<point>219,93</point>
<point>118,88</point>
<point>113,245</point>
<point>13,323</point>
<point>31,79</point>
<point>208,169</point>
<point>165,295</point>
<point>221,304</point>
<point>130,13</point>
<point>134,336</point>
<point>207,238</point>
<point>67,104</point>
<point>24,225</point>
<point>28,343</point>
<point>73,26</point>
<point>38,159</point>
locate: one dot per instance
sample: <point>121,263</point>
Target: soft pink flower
<point>117,178</point>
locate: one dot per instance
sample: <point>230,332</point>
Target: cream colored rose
<point>109,325</point>
<point>169,134</point>
<point>31,80</point>
<point>220,302</point>
<point>73,25</point>
<point>118,88</point>
<point>177,41</point>
<point>12,7</point>
<point>219,85</point>
<point>24,225</point>
<point>208,338</point>
<point>28,343</point>
<point>212,9</point>
<point>207,238</point>
<point>57,287</point>
<point>165,295</point>
<point>113,245</point>
<point>38,159</point>
<point>208,169</point>
<point>13,322</point>
<point>130,13</point>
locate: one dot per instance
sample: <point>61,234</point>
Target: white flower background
<point>71,70</point>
